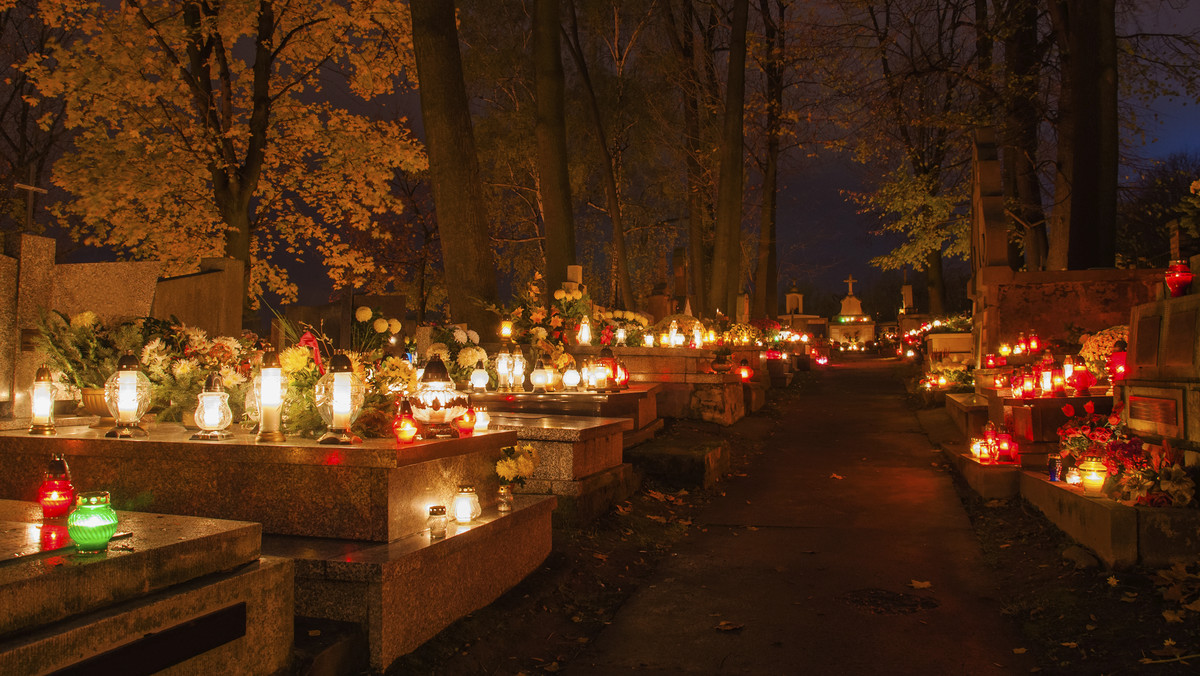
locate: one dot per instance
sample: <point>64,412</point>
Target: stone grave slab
<point>404,592</point>
<point>186,593</point>
<point>373,491</point>
<point>991,482</point>
<point>638,406</point>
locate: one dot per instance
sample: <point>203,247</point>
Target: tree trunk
<point>935,282</point>
<point>1093,42</point>
<point>1023,190</point>
<point>624,296</point>
<point>766,281</point>
<point>453,164</point>
<point>726,273</point>
<point>551,133</point>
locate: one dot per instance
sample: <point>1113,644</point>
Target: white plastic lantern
<point>482,419</point>
<point>479,377</point>
<point>466,505</point>
<point>621,337</point>
<point>518,372</point>
<point>436,404</point>
<point>269,388</point>
<point>339,397</point>
<point>585,332</point>
<point>697,337</point>
<point>570,379</point>
<point>42,399</point>
<point>213,415</point>
<point>539,377</point>
<point>504,363</point>
<point>127,393</point>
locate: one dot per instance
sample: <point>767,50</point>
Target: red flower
<point>1155,499</point>
<point>1068,410</point>
<point>1089,407</point>
<point>1114,420</point>
<point>1100,435</point>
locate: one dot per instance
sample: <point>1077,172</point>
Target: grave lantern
<point>437,522</point>
<point>1027,383</point>
<point>621,379</point>
<point>585,332</point>
<point>404,425</point>
<point>339,397</point>
<point>213,415</point>
<point>464,424</point>
<point>517,380</point>
<point>570,379</point>
<point>1000,381</point>
<point>127,393</point>
<point>57,493</point>
<point>989,433</point>
<point>745,371</point>
<point>1034,343</point>
<point>436,403</point>
<point>621,337</point>
<point>1022,343</point>
<point>1047,380</point>
<point>1116,363</point>
<point>1092,474</point>
<point>269,388</point>
<point>506,327</point>
<point>665,340</point>
<point>672,331</point>
<point>1058,381</point>
<point>607,365</point>
<point>479,377</point>
<point>539,377</point>
<point>466,505</point>
<point>1068,368</point>
<point>504,364</point>
<point>648,340</point>
<point>93,522</point>
<point>989,361</point>
<point>42,399</point>
<point>1178,278</point>
<point>697,337</point>
<point>1007,449</point>
<point>1005,349</point>
<point>482,419</point>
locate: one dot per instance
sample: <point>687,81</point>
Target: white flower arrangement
<point>472,336</point>
<point>363,313</point>
<point>460,336</point>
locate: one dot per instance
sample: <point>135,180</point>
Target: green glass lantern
<point>93,523</point>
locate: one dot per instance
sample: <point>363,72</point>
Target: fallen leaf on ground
<point>659,519</point>
<point>836,476</point>
<point>1113,581</point>
<point>917,584</point>
<point>1172,616</point>
<point>1069,644</point>
<point>602,557</point>
<point>1018,651</point>
<point>726,625</point>
<point>314,632</point>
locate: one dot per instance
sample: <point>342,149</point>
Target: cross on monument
<point>29,198</point>
<point>850,281</point>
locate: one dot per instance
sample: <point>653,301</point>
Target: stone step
<point>682,462</point>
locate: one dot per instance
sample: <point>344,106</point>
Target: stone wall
<point>210,299</point>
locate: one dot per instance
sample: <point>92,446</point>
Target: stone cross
<point>29,199</point>
<point>850,281</point>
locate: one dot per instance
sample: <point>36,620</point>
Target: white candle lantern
<point>504,362</point>
<point>436,404</point>
<point>482,419</point>
<point>269,388</point>
<point>127,393</point>
<point>539,377</point>
<point>571,379</point>
<point>339,397</point>
<point>466,505</point>
<point>621,337</point>
<point>518,372</point>
<point>648,339</point>
<point>42,399</point>
<point>1093,474</point>
<point>585,331</point>
<point>479,377</point>
<point>213,415</point>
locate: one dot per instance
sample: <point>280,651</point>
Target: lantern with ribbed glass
<point>127,393</point>
<point>339,397</point>
<point>436,403</point>
<point>607,364</point>
<point>213,414</point>
<point>42,402</point>
<point>93,522</point>
<point>57,493</point>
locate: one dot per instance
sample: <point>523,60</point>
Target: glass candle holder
<point>93,522</point>
<point>437,522</point>
<point>57,493</point>
<point>42,403</point>
<point>339,396</point>
<point>466,505</point>
<point>269,389</point>
<point>213,414</point>
<point>127,393</point>
<point>504,498</point>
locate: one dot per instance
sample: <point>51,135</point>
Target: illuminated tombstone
<point>213,415</point>
<point>466,505</point>
<point>56,494</point>
<point>436,403</point>
<point>93,522</point>
<point>127,393</point>
<point>1092,473</point>
<point>339,397</point>
<point>42,399</point>
<point>269,390</point>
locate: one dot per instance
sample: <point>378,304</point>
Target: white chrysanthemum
<point>363,313</point>
<point>83,320</point>
<point>538,332</point>
<point>618,314</point>
<point>183,368</point>
<point>472,336</point>
<point>230,377</point>
<point>395,326</point>
<point>440,350</point>
<point>469,356</point>
<point>380,325</point>
<point>229,343</point>
<point>460,336</point>
<point>151,351</point>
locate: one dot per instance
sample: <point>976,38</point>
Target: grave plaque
<point>1158,415</point>
<point>1181,339</point>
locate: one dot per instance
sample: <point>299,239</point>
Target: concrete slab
<point>988,481</point>
<point>699,465</point>
<point>1108,528</point>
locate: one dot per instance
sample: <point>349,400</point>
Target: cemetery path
<point>843,550</point>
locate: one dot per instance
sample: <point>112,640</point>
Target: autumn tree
<point>725,284</point>
<point>551,135</point>
<point>209,128</point>
<point>31,132</point>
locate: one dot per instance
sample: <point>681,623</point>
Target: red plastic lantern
<point>1000,381</point>
<point>1027,383</point>
<point>1034,343</point>
<point>1022,342</point>
<point>989,361</point>
<point>1179,278</point>
<point>1058,381</point>
<point>745,371</point>
<point>607,363</point>
<point>621,379</point>
<point>465,423</point>
<point>405,425</point>
<point>1116,366</point>
<point>56,495</point>
<point>1007,449</point>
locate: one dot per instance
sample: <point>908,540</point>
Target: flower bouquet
<point>1096,348</point>
<point>517,464</point>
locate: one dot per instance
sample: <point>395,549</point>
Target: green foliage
<point>929,216</point>
<point>84,350</point>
